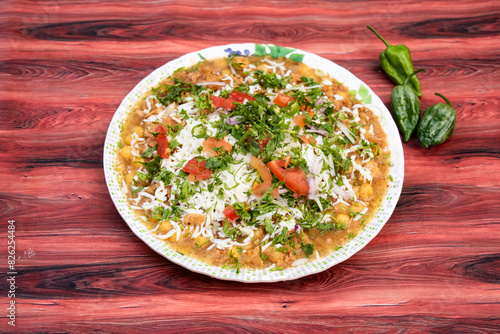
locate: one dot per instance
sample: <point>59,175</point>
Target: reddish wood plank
<point>64,69</point>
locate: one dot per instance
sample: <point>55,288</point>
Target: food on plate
<point>253,162</point>
<point>437,123</point>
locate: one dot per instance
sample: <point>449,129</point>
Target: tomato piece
<point>230,214</point>
<point>283,100</point>
<point>261,168</point>
<point>161,138</point>
<point>240,96</point>
<point>221,102</point>
<point>259,189</point>
<point>192,167</point>
<point>263,142</point>
<point>191,178</point>
<point>210,143</point>
<point>295,178</point>
<point>309,140</point>
<point>287,161</point>
<point>196,170</point>
<point>299,119</point>
<point>204,174</point>
<point>303,107</point>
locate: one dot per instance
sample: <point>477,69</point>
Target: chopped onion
<point>322,100</point>
<point>321,132</point>
<point>233,120</point>
<point>314,168</point>
<point>300,262</point>
<point>312,187</point>
<point>211,83</point>
<point>341,192</point>
<point>346,131</point>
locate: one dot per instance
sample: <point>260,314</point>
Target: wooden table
<point>64,69</point>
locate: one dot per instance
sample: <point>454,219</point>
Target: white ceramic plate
<point>364,94</point>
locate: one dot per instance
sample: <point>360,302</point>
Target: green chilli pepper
<point>437,123</point>
<point>406,107</point>
<point>396,63</point>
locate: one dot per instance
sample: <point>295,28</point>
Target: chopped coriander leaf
<point>230,61</point>
<point>229,231</point>
<point>263,257</point>
<point>148,152</point>
<point>152,166</point>
<point>271,80</point>
<point>276,269</point>
<point>136,190</point>
<point>203,244</point>
<point>167,94</point>
<point>308,249</point>
<point>173,144</point>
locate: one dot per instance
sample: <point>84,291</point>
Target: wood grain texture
<point>65,66</point>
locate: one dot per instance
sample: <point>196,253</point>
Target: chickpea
<point>263,68</point>
<point>128,140</point>
<point>357,207</point>
<point>234,251</point>
<point>248,247</point>
<point>201,240</point>
<point>220,63</point>
<point>341,208</point>
<point>137,163</point>
<point>356,190</point>
<point>303,70</point>
<point>126,152</point>
<point>139,131</point>
<point>258,233</point>
<point>306,239</point>
<point>349,171</point>
<point>129,178</point>
<point>226,71</point>
<point>165,227</point>
<point>365,191</point>
<point>342,218</point>
<point>240,59</point>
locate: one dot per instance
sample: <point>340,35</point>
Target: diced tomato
<point>259,189</point>
<point>204,174</point>
<point>303,107</point>
<point>287,161</point>
<point>192,167</point>
<point>161,138</point>
<point>299,119</point>
<point>282,100</point>
<point>262,143</point>
<point>230,213</point>
<point>191,178</point>
<point>196,170</point>
<point>261,169</point>
<point>307,139</point>
<point>240,96</point>
<point>295,178</point>
<point>221,102</point>
<point>210,143</point>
